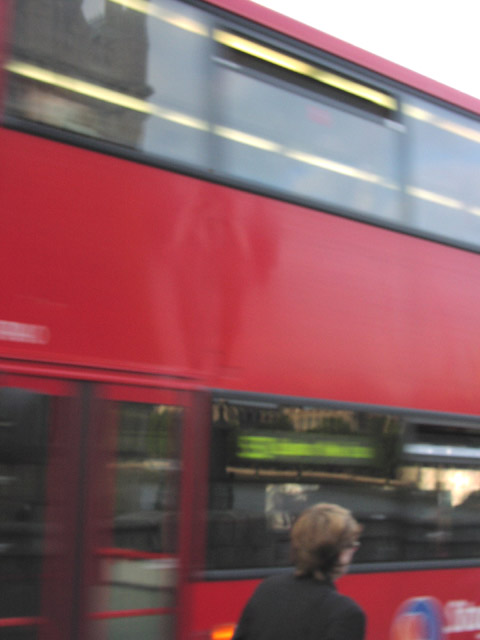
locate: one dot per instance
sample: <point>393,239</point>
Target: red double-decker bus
<point>240,275</point>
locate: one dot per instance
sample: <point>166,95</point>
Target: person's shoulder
<point>278,581</point>
<point>343,617</point>
<point>341,602</point>
<point>281,578</point>
<point>271,589</point>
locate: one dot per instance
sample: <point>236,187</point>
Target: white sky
<point>438,38</point>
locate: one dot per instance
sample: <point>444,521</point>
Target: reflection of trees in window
<point>147,476</point>
<point>161,433</point>
<point>250,417</point>
<point>148,432</point>
<point>334,424</point>
<point>386,431</point>
<point>132,431</point>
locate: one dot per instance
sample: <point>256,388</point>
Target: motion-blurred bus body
<point>240,275</point>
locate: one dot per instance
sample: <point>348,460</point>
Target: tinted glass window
<point>147,478</point>
<point>23,464</point>
<point>443,187</point>
<point>283,137</point>
<point>135,74</point>
<point>127,72</point>
<point>161,78</point>
<point>35,441</point>
<point>137,591</point>
<point>268,463</point>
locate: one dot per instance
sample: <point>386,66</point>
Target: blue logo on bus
<point>418,619</point>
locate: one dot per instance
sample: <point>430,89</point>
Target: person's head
<point>323,541</point>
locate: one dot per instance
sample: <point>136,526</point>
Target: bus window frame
<point>192,489</point>
<point>54,622</point>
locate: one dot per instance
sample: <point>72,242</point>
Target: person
<point>304,604</point>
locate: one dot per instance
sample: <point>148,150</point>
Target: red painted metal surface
<point>130,613</point>
<point>130,554</point>
<point>38,384</point>
<point>234,289</point>
<point>21,622</point>
<point>323,41</point>
<point>380,594</point>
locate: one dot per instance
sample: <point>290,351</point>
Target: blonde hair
<point>318,537</point>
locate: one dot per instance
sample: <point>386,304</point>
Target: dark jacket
<point>285,607</point>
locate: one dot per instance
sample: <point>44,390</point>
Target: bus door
<point>39,463</point>
<point>136,514</point>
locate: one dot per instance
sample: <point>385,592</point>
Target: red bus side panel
<point>118,264</point>
<point>397,605</point>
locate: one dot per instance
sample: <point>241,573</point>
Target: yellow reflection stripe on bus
<point>77,86</point>
<point>176,20</point>
<point>436,198</point>
<point>180,118</point>
<point>459,130</point>
<point>264,53</point>
<point>97,92</point>
<point>336,167</point>
<point>293,64</point>
<point>446,125</point>
<point>245,138</point>
<point>418,114</point>
<point>300,156</point>
<point>356,89</point>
